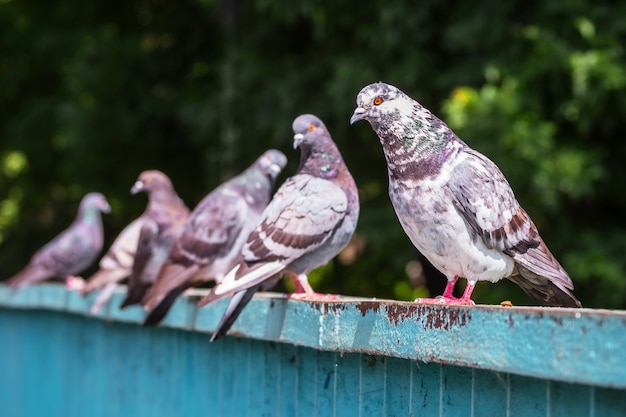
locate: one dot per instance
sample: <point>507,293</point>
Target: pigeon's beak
<point>359,114</point>
<point>105,207</point>
<point>297,140</point>
<point>275,170</point>
<point>137,187</point>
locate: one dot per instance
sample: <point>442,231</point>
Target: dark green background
<point>92,93</point>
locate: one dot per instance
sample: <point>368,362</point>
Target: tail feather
<point>158,313</point>
<point>542,277</point>
<point>135,294</point>
<point>171,277</point>
<point>242,277</point>
<point>234,309</point>
<point>29,275</point>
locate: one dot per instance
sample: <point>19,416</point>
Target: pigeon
<point>211,241</point>
<point>310,219</point>
<point>115,265</point>
<point>456,206</point>
<point>70,252</point>
<point>161,224</point>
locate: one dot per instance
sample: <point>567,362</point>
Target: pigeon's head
<point>308,129</point>
<point>151,180</point>
<point>95,201</point>
<point>381,102</point>
<point>272,162</point>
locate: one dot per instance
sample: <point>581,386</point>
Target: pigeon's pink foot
<point>73,283</point>
<point>313,296</point>
<point>305,292</point>
<point>441,300</point>
<point>448,299</point>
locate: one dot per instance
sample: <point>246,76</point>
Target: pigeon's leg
<point>467,294</point>
<point>73,283</point>
<point>447,297</point>
<point>304,290</point>
<point>103,297</point>
<point>447,293</point>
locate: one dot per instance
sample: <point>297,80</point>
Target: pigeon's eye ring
<point>378,101</point>
<point>311,127</point>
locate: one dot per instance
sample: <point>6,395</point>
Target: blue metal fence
<point>298,358</point>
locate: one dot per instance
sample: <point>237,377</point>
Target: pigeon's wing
<point>300,218</point>
<point>485,200</point>
<point>121,254</point>
<point>482,195</point>
<point>117,263</point>
<point>213,228</point>
<point>145,244</point>
<point>67,254</point>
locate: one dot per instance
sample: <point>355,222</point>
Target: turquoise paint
<point>357,358</point>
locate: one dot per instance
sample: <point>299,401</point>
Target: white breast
<point>440,233</point>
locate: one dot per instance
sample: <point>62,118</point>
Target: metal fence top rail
<point>574,345</point>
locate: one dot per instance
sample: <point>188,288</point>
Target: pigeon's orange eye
<point>311,127</point>
<point>378,101</point>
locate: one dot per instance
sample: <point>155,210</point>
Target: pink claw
<point>73,283</point>
<point>448,299</point>
<point>305,292</point>
<point>312,296</point>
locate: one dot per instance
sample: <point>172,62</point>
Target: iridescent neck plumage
<point>320,161</point>
<point>416,142</point>
<point>90,216</point>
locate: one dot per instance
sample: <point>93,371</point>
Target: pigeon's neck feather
<point>163,197</point>
<point>90,215</point>
<point>416,143</point>
<point>321,161</point>
<point>250,182</point>
<point>326,162</point>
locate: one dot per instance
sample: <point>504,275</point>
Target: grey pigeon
<point>161,224</point>
<point>211,241</point>
<point>73,250</point>
<point>114,266</point>
<point>456,205</point>
<point>310,219</point>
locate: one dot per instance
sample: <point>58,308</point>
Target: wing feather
<point>484,198</point>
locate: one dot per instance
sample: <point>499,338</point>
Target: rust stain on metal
<point>366,306</point>
<point>397,312</point>
<point>443,318</point>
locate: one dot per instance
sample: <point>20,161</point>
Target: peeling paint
<point>446,318</point>
<point>365,306</point>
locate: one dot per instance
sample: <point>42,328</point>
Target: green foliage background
<point>92,93</point>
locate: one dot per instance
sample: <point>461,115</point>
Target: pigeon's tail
<point>135,293</point>
<point>543,290</point>
<point>542,277</point>
<point>170,277</point>
<point>29,275</point>
<point>241,277</point>
<point>158,313</point>
<point>234,309</point>
<point>103,278</point>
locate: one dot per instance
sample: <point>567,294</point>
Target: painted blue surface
<point>297,358</point>
<point>55,364</point>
